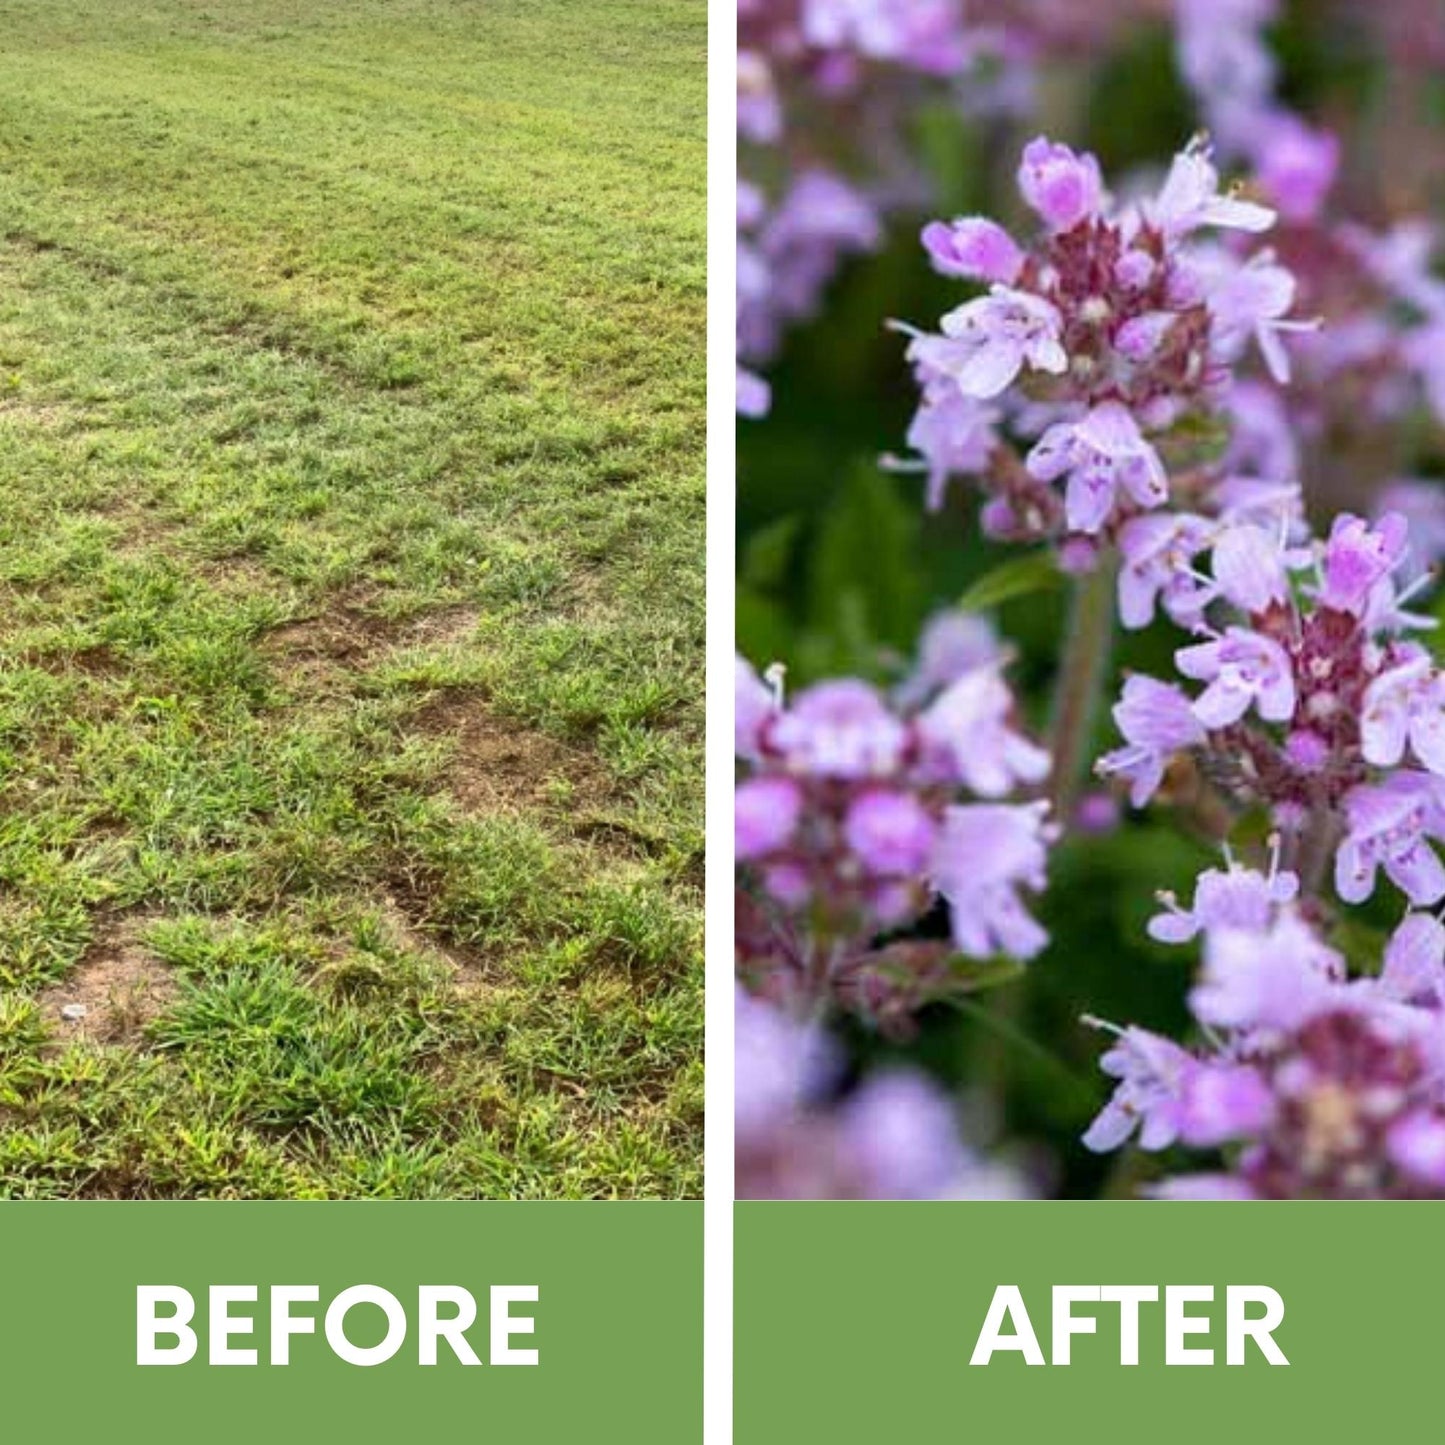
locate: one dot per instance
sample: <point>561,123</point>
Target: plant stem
<point>1316,852</point>
<point>1082,673</point>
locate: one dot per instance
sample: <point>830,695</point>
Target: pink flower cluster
<point>815,75</point>
<point>1313,1084</point>
<point>1380,351</point>
<point>1226,62</point>
<point>1311,701</point>
<point>1139,383</point>
<point>850,822</point>
<point>895,1136</point>
<point>1094,345</point>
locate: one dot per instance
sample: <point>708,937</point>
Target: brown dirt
<point>348,637</point>
<point>121,986</point>
<point>501,766</point>
<point>472,973</point>
<point>16,412</point>
<point>98,661</point>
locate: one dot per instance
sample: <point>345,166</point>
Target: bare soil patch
<point>470,971</point>
<point>113,992</point>
<point>500,765</point>
<point>349,637</point>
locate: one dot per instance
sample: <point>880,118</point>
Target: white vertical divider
<point>721,508</point>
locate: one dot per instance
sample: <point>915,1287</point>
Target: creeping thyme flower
<point>894,1136</point>
<point>1150,1070</point>
<point>1357,558</point>
<point>973,248</point>
<point>1102,455</point>
<point>754,703</point>
<point>953,644</point>
<point>1191,199</point>
<point>1232,897</point>
<point>1225,61</point>
<point>1156,568</point>
<point>1389,827</point>
<point>853,816</point>
<point>1063,188</point>
<point>1312,703</point>
<point>788,251</point>
<point>1404,709</point>
<point>1422,504</point>
<point>1312,1084</point>
<point>1244,669</point>
<point>1296,165</point>
<point>836,81</point>
<point>986,854</point>
<point>994,337</point>
<point>1157,722</point>
<point>1253,302</point>
<point>1100,344</point>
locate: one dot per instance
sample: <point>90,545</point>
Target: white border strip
<point>721,549</point>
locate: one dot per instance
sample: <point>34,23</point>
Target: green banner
<point>858,1322</point>
<point>608,1296</point>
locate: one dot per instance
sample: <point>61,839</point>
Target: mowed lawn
<point>351,597</point>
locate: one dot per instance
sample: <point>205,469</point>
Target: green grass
<point>351,597</point>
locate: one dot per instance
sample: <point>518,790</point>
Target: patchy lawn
<point>351,597</point>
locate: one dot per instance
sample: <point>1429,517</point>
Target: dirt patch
<point>236,574</point>
<point>97,661</point>
<point>15,412</point>
<point>315,647</point>
<point>348,638</point>
<point>112,993</point>
<point>471,973</point>
<point>500,766</point>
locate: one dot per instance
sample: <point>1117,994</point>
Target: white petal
<point>990,370</point>
<point>1383,730</point>
<point>1236,214</point>
<point>1354,877</point>
<point>1276,358</point>
<point>1221,703</point>
<point>1427,736</point>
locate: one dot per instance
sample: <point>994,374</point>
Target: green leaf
<point>1362,944</point>
<point>761,628</point>
<point>768,556</point>
<point>866,570</point>
<point>1018,577</point>
<point>978,975</point>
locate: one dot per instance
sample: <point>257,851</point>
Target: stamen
<point>774,677</point>
<point>1127,758</point>
<point>892,462</point>
<point>1426,579</point>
